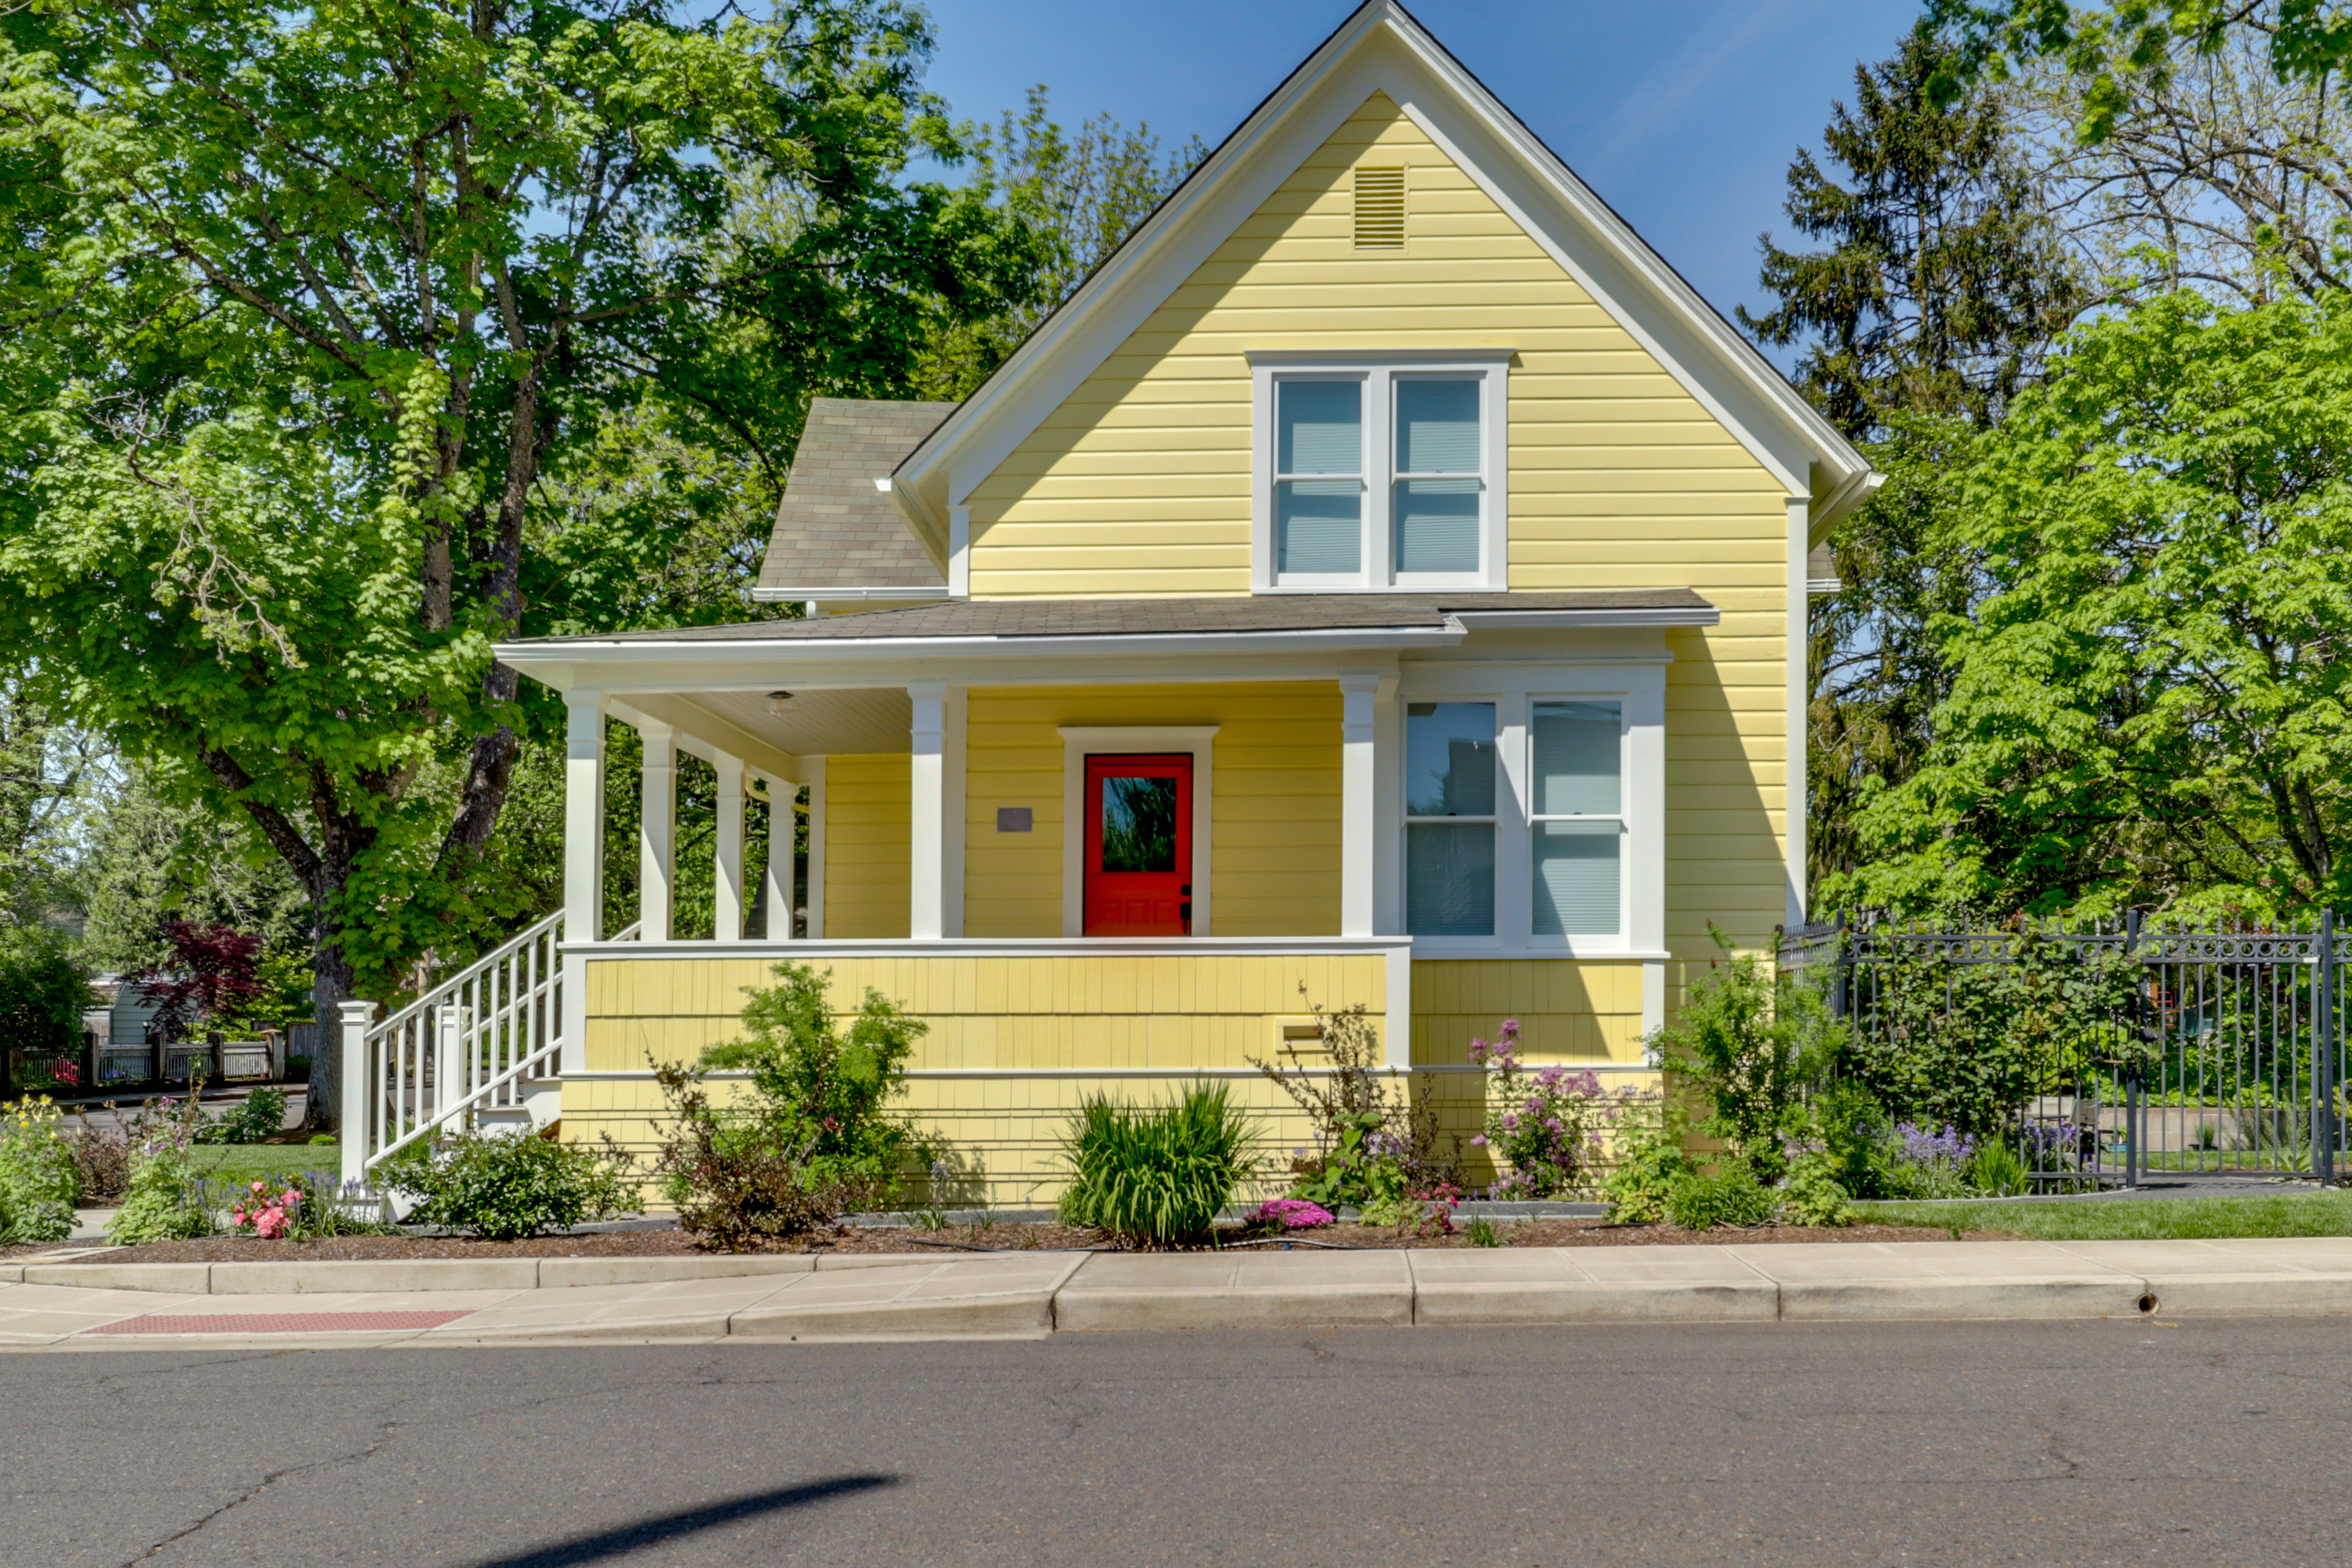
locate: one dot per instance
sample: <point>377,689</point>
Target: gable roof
<point>837,534</point>
<point>1382,48</point>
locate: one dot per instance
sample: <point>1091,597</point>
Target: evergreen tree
<point>1938,290</point>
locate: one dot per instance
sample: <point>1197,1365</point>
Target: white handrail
<point>481,966</point>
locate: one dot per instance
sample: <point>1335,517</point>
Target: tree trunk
<point>331,980</point>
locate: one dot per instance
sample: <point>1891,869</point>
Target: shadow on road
<point>650,1532</point>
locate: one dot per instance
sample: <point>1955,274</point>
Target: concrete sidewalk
<point>1029,1294</point>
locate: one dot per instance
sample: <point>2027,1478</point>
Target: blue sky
<point>1681,113</point>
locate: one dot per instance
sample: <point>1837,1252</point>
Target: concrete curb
<point>395,1276</point>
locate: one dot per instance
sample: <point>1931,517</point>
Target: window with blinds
<point>1380,209</point>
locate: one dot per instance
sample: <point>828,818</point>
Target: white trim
<point>1638,687</point>
<point>1388,808</point>
<point>927,810</point>
<point>814,768</point>
<point>1359,803</point>
<point>1077,742</point>
<point>849,596</point>
<point>1795,661</point>
<point>1387,1070</point>
<point>656,827</point>
<point>1587,620</point>
<point>1653,995</point>
<point>1376,375</point>
<point>960,553</point>
<point>1018,947</point>
<point>727,851</point>
<point>556,658</point>
<point>953,780</point>
<point>776,875</point>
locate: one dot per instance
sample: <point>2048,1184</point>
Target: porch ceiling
<point>820,722</point>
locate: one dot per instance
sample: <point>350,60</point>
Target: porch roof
<point>1231,615</point>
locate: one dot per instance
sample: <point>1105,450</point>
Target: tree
<point>304,308</point>
<point>2149,704</point>
<point>214,971</point>
<point>1083,192</point>
<point>50,775</point>
<point>1939,287</point>
<point>2303,40</point>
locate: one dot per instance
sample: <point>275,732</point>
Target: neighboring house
<point>1383,575</point>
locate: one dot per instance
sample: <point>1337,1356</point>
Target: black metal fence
<point>2238,1059</point>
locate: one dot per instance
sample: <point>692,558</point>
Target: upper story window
<point>1380,474</point>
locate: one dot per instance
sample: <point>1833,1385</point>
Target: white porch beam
<point>657,829</point>
<point>703,733</point>
<point>927,847</point>
<point>1358,814</point>
<point>727,890</point>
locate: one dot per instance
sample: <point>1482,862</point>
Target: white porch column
<point>776,882</point>
<point>657,829</point>
<point>583,815</point>
<point>1359,778</point>
<point>727,891</point>
<point>927,846</point>
<point>813,770</point>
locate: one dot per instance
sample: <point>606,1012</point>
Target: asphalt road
<point>2128,1443</point>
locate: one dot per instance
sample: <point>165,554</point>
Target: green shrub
<point>1734,1196</point>
<point>1754,1044</point>
<point>1482,1232</point>
<point>1997,1170</point>
<point>1812,1196</point>
<point>735,1184</point>
<point>818,1092</point>
<point>1156,1174</point>
<point>166,1199</point>
<point>505,1185</point>
<point>260,1115</point>
<point>1651,1162</point>
<point>39,1184</point>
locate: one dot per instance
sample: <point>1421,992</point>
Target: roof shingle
<point>834,528</point>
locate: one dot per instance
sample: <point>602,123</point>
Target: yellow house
<point>1384,577</point>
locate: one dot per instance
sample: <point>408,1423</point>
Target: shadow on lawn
<point>651,1531</point>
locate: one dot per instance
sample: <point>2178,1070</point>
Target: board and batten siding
<point>1139,484</point>
<point>1273,801</point>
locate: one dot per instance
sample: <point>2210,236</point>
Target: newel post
<point>352,1129</point>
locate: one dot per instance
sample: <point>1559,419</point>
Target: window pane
<point>1321,427</point>
<point>1318,525</point>
<point>1436,426</point>
<point>1139,824</point>
<point>1449,879</point>
<point>1576,878</point>
<point>1578,758</point>
<point>1437,525</point>
<point>1449,759</point>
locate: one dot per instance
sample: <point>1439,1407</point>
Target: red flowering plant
<point>1544,1123</point>
<point>271,1216</point>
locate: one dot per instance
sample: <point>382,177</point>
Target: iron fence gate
<point>2240,1059</point>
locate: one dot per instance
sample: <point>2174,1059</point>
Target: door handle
<point>1186,889</point>
<point>1184,910</point>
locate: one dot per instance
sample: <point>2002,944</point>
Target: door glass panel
<point>1577,759</point>
<point>1450,759</point>
<point>1139,824</point>
<point>1449,879</point>
<point>1576,876</point>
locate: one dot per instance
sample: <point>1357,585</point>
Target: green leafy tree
<point>1937,286</point>
<point>2150,705</point>
<point>304,309</point>
<point>2307,41</point>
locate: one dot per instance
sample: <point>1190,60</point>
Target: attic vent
<point>1380,209</point>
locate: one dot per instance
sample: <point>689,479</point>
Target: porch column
<point>1359,816</point>
<point>583,815</point>
<point>726,891</point>
<point>776,881</point>
<point>657,829</point>
<point>927,846</point>
<point>812,772</point>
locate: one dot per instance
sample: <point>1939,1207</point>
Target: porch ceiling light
<point>782,702</point>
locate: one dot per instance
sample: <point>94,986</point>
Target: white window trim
<point>1378,371</point>
<point>1639,690</point>
<point>1078,743</point>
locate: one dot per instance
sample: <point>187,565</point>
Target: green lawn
<point>2134,1219</point>
<point>244,1162</point>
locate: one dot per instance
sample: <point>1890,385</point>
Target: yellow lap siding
<point>868,845</point>
<point>1274,800</point>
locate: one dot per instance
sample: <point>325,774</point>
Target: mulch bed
<point>947,1243</point>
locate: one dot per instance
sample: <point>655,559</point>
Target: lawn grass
<point>244,1162</point>
<point>2134,1219</point>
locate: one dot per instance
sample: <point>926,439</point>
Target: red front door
<point>1139,845</point>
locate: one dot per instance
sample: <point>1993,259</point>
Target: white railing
<point>469,1045</point>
